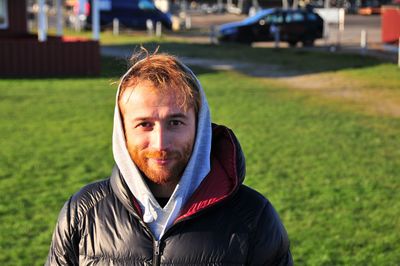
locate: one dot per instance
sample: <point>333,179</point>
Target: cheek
<point>189,138</point>
<point>135,141</point>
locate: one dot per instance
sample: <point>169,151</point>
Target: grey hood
<point>157,218</point>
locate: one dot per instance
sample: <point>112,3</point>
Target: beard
<point>162,173</point>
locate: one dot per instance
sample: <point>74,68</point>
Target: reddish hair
<point>166,74</point>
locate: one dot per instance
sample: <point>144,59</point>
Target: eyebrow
<point>176,115</point>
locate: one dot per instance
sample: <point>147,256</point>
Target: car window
<point>294,17</point>
<point>311,16</point>
<point>276,18</point>
<point>146,5</point>
<point>298,17</point>
<point>258,16</point>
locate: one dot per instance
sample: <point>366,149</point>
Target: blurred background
<point>310,88</point>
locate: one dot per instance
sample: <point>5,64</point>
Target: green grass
<point>379,77</point>
<point>333,174</point>
<point>54,138</point>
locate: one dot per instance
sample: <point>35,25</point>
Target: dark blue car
<point>293,25</point>
<point>130,13</point>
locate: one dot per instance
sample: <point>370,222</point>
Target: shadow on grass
<point>254,61</point>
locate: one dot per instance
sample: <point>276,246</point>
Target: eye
<point>144,125</point>
<point>175,123</point>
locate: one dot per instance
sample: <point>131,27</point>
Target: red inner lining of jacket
<point>222,179</point>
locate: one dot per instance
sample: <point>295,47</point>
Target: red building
<point>390,24</point>
<point>23,55</point>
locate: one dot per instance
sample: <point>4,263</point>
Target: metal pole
<point>78,24</point>
<point>398,55</point>
<point>295,4</point>
<point>213,35</point>
<point>95,20</point>
<point>158,28</point>
<point>115,26</point>
<point>188,22</point>
<point>42,36</point>
<point>341,25</point>
<point>285,4</point>
<point>150,27</point>
<point>82,7</point>
<point>240,5</point>
<point>59,18</point>
<point>363,41</point>
<point>277,36</point>
<point>46,18</point>
<point>229,4</point>
<point>326,32</point>
<point>220,5</point>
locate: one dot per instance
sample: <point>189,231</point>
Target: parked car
<point>371,7</point>
<point>130,13</point>
<point>293,26</point>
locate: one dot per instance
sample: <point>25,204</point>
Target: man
<point>175,196</point>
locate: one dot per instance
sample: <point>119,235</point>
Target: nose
<point>159,138</point>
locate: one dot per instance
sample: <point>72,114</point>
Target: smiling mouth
<point>161,161</point>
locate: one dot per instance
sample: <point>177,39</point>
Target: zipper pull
<point>156,255</point>
<point>156,248</point>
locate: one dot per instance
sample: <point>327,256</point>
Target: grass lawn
<point>330,169</point>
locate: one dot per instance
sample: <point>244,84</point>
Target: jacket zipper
<point>156,243</point>
<point>156,253</point>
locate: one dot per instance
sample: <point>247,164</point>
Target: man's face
<point>159,133</point>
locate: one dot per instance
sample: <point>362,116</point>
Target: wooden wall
<point>26,57</point>
<point>17,19</point>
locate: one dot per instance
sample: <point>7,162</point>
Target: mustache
<point>162,155</point>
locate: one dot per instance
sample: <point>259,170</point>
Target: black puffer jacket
<point>224,223</point>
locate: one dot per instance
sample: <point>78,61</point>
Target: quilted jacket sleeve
<point>64,245</point>
<point>271,242</point>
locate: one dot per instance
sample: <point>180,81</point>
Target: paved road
<point>351,35</point>
<point>354,24</point>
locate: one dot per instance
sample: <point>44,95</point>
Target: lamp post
<point>96,20</point>
<point>42,34</point>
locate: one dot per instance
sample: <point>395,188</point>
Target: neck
<point>161,190</point>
